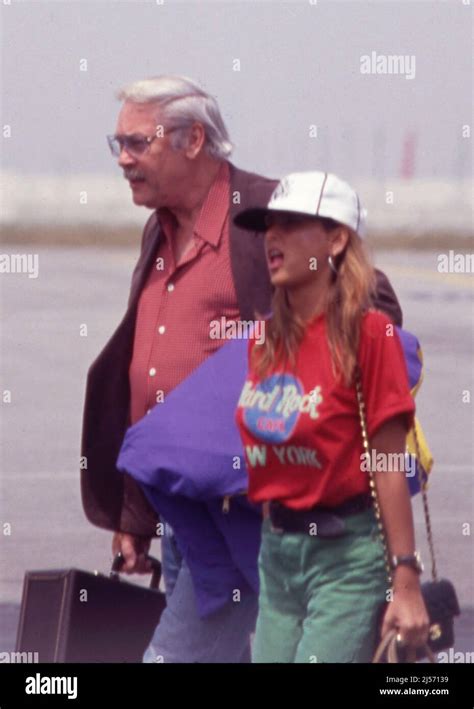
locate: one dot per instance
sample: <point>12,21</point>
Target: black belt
<point>318,521</point>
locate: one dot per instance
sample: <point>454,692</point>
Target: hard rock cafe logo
<point>273,406</point>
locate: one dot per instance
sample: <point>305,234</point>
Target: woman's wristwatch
<point>412,560</point>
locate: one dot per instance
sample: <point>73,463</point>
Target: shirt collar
<point>215,208</point>
<point>213,213</point>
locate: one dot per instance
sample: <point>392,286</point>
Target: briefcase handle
<point>118,561</point>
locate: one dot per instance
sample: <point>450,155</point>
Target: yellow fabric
<point>426,458</point>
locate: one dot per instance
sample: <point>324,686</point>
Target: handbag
<point>69,615</point>
<point>439,595</point>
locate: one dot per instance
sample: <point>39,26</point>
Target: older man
<point>195,266</point>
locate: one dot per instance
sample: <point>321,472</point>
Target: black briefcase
<point>75,616</point>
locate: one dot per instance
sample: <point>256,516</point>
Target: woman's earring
<point>331,265</point>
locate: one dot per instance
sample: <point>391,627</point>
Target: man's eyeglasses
<point>135,144</point>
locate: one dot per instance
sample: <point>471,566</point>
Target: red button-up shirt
<point>179,300</point>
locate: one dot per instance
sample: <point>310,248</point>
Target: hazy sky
<point>300,65</point>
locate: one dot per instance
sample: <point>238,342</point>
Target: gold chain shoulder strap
<point>426,509</point>
<point>373,489</point>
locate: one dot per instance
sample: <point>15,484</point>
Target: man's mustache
<point>133,174</point>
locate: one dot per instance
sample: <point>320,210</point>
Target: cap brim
<point>254,219</point>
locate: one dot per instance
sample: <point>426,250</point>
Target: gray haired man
<point>173,148</point>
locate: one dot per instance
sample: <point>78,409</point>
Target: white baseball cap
<point>309,194</point>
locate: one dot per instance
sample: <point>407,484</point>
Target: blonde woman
<point>321,565</point>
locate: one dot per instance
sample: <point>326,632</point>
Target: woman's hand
<point>406,613</point>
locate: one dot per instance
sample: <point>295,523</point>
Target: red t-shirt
<point>301,429</point>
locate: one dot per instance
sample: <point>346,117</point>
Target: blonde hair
<point>350,294</point>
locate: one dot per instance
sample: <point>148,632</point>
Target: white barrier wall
<point>393,205</point>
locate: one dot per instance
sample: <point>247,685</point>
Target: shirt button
<point>148,411</point>
<point>170,287</point>
<point>161,329</point>
<point>152,372</point>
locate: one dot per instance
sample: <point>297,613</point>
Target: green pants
<point>320,599</point>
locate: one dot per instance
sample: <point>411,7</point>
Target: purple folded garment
<point>189,445</point>
<point>187,454</point>
<point>220,549</point>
